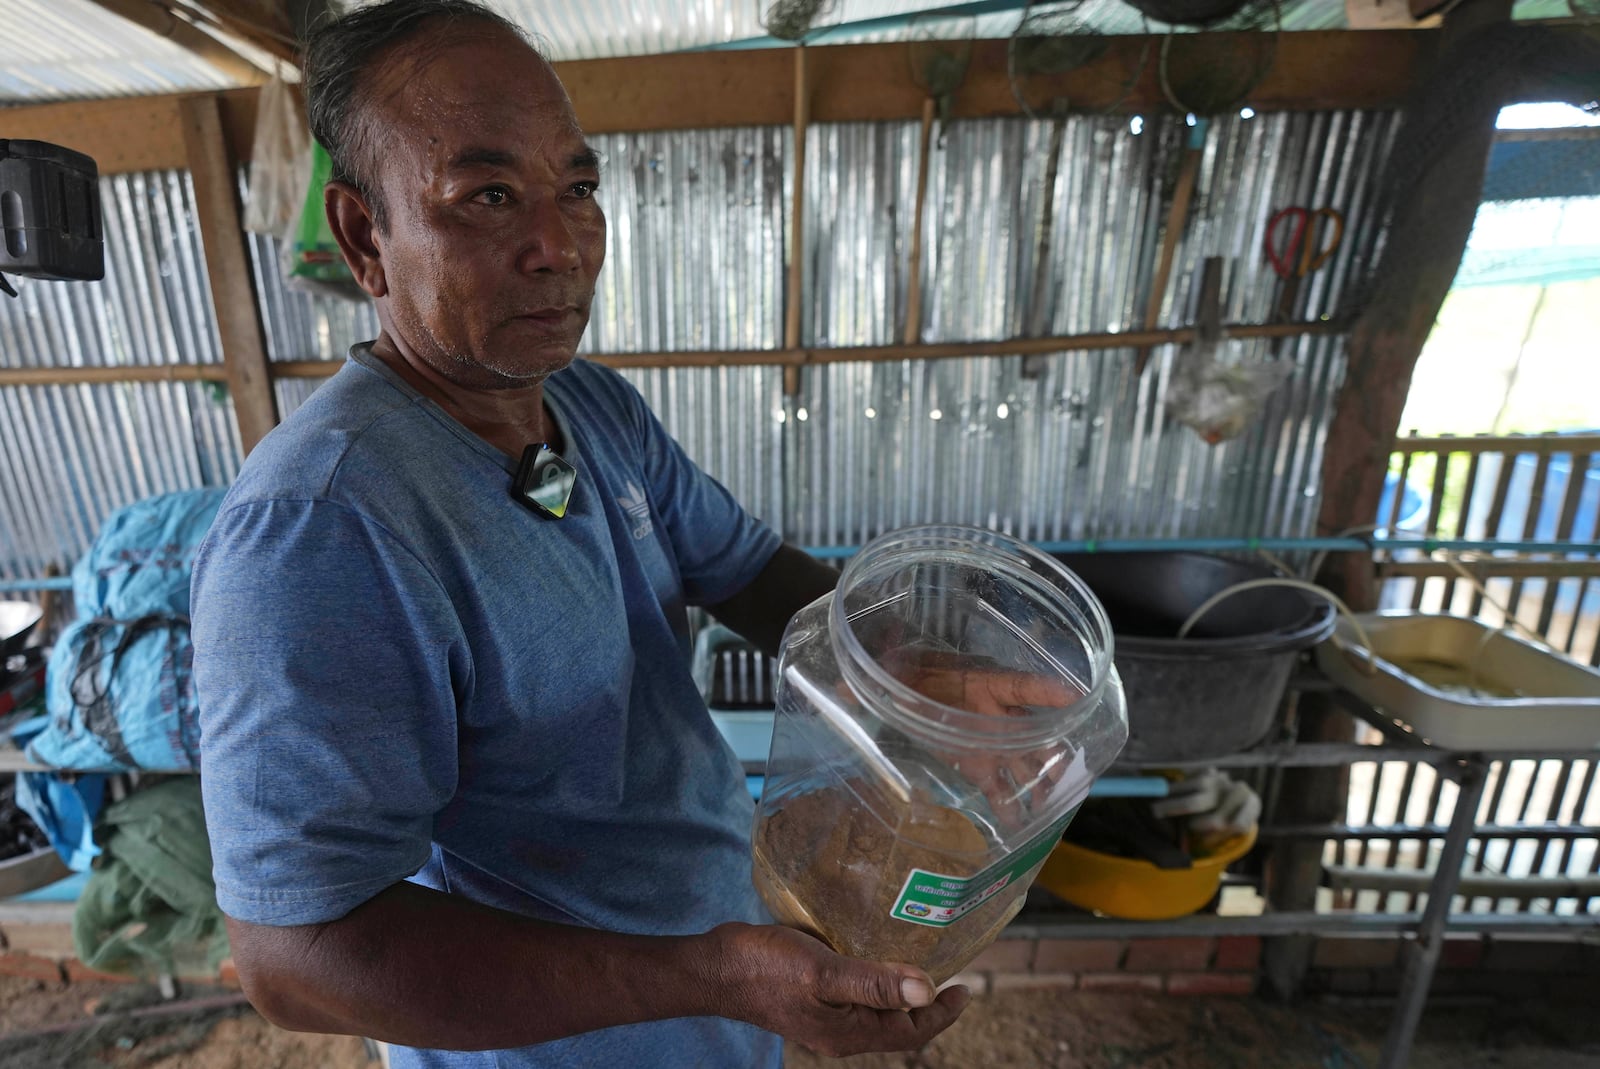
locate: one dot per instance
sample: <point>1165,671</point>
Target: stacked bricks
<point>1349,965</point>
<point>44,951</point>
<point>1178,966</point>
<point>1519,966</point>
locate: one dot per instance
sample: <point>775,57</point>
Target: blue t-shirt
<point>404,673</point>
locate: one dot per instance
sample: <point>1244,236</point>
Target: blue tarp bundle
<point>119,689</point>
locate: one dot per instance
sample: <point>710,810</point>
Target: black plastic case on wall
<point>49,213</point>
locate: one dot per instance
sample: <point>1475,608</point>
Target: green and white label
<point>937,900</point>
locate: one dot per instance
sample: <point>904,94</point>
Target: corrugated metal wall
<point>1072,445</point>
<point>1068,445</point>
<point>69,455</point>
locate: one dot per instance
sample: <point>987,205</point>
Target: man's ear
<point>350,218</point>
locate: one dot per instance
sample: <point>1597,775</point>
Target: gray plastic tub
<point>1217,691</point>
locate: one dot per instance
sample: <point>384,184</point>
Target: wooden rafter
<point>263,23</point>
<point>160,20</point>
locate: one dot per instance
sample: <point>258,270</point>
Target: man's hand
<point>1015,782</point>
<point>790,983</point>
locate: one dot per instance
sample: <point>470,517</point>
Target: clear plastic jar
<point>940,717</point>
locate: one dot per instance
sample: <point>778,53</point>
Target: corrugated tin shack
<point>918,263</point>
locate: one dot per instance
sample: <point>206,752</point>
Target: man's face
<point>494,235</point>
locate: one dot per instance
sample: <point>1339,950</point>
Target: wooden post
<point>1033,366</point>
<point>912,333</point>
<point>233,294</point>
<point>797,236</point>
<point>1177,217</point>
<point>1432,216</point>
<point>1432,210</point>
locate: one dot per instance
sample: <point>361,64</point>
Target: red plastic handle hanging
<point>1296,256</point>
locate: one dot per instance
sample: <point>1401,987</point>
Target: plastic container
<point>940,717</point>
<point>1216,691</point>
<point>1467,686</point>
<point>1133,888</point>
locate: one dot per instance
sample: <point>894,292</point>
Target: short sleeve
<point>720,548</point>
<point>326,661</point>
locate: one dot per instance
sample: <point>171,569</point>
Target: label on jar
<point>936,900</point>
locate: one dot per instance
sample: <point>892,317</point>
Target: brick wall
<point>1525,966</point>
<point>1179,966</point>
<point>1341,965</point>
<point>44,951</point>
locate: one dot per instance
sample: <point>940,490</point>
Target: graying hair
<point>338,56</point>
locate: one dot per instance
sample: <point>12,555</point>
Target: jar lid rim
<point>1042,574</point>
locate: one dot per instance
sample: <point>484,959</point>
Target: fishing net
<point>1047,45</point>
<point>1207,74</point>
<point>791,20</point>
<point>1486,69</point>
<point>939,54</point>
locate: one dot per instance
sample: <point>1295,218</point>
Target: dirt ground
<point>1039,1029</point>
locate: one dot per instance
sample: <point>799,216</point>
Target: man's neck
<point>507,418</point>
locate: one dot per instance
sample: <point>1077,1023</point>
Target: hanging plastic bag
<point>279,161</point>
<point>1218,400</point>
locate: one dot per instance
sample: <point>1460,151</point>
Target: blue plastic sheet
<point>119,688</point>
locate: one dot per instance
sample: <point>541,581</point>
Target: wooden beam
<point>163,23</point>
<point>1315,70</point>
<point>795,358</point>
<point>95,376</point>
<point>233,294</point>
<point>797,217</point>
<point>1509,443</point>
<point>129,134</point>
<point>698,90</point>
<point>911,330</point>
<point>1070,343</point>
<point>262,23</point>
<point>1433,201</point>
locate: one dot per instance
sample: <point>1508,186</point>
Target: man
<point>462,793</point>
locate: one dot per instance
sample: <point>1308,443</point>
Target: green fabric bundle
<point>150,907</point>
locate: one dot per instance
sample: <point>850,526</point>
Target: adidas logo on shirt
<point>638,509</point>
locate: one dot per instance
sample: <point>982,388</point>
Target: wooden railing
<point>1523,487</point>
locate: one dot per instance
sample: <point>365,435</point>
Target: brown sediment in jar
<point>827,864</point>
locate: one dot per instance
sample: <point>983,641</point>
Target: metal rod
<point>1389,881</point>
<point>1250,545</point>
<point>1427,831</point>
<point>1492,567</point>
<point>1041,925</point>
<point>1155,545</point>
<point>1420,957</point>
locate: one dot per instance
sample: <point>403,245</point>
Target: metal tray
<point>1464,685</point>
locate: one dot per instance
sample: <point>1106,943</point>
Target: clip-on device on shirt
<point>544,481</point>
